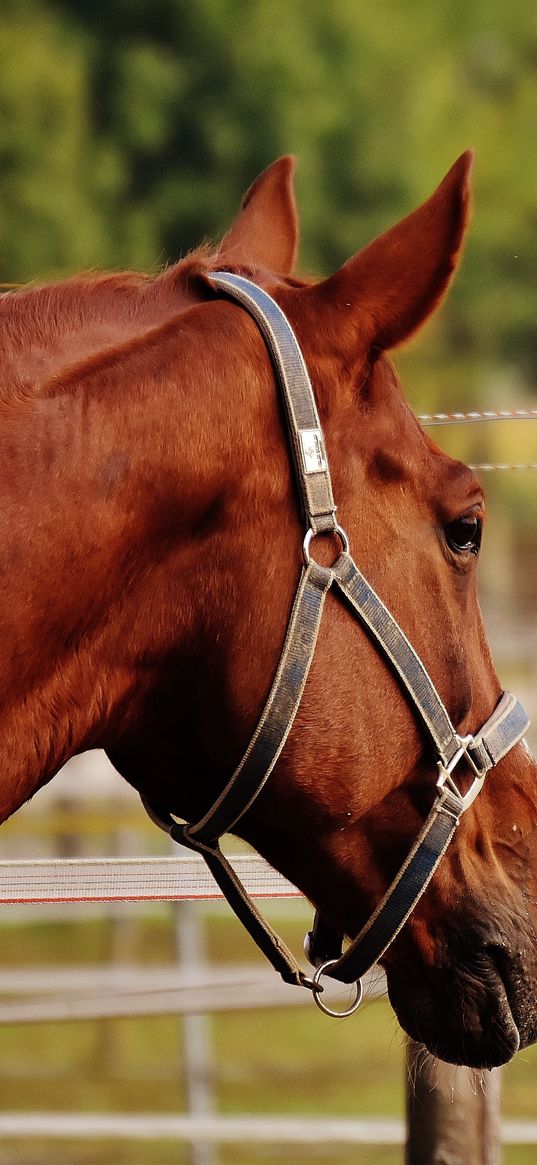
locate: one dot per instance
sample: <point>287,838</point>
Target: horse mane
<point>58,332</point>
<point>53,329</point>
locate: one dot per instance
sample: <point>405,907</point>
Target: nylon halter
<point>504,728</point>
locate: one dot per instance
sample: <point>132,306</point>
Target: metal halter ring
<point>317,993</point>
<point>337,530</point>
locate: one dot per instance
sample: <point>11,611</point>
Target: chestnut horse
<point>150,551</point>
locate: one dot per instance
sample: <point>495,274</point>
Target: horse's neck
<point>92,508</point>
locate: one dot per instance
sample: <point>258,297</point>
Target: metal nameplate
<point>313,454</point>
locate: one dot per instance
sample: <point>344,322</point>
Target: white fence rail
<point>78,994</point>
<point>146,879</point>
<point>219,1129</point>
<point>55,997</point>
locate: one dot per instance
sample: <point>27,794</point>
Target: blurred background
<point>129,130</point>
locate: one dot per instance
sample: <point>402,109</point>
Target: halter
<point>504,728</point>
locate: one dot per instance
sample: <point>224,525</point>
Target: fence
<point>196,988</point>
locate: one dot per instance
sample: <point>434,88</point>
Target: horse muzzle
<point>477,1006</point>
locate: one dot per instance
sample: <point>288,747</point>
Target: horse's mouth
<point>477,1014</point>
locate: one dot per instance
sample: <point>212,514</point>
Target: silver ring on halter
<point>317,989</point>
<point>338,530</point>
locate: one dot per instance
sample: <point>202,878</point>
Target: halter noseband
<point>504,728</point>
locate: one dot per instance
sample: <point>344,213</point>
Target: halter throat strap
<point>504,728</point>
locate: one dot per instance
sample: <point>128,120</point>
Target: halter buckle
<point>445,779</point>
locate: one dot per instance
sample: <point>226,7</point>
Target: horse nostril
<point>502,962</point>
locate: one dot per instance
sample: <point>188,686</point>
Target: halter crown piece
<point>504,728</point>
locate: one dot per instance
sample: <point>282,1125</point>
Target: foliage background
<point>130,129</point>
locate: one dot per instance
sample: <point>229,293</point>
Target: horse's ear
<point>265,232</point>
<point>389,289</point>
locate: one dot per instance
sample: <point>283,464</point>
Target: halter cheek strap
<point>504,728</point>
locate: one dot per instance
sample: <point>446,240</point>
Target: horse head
<point>168,624</point>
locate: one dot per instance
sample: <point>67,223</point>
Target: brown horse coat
<point>145,477</point>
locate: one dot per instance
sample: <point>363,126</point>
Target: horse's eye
<point>464,535</point>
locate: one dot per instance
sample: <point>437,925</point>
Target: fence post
<point>197,1042</point>
<point>453,1114</point>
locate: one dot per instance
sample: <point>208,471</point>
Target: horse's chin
<point>472,1017</point>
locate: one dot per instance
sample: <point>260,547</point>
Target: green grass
<point>293,1061</point>
<point>77,1152</point>
<point>93,1152</point>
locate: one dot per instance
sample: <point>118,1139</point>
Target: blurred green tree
<point>130,129</point>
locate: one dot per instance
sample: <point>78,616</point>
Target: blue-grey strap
<point>304,426</point>
<point>509,721</point>
<point>279,712</point>
<point>507,725</point>
<point>505,728</point>
<point>264,936</point>
<point>404,892</point>
<point>399,652</point>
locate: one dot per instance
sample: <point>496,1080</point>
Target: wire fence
<point>431,420</point>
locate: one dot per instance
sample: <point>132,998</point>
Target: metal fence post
<point>197,1043</point>
<point>453,1114</point>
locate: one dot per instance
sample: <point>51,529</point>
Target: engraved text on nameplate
<point>313,454</point>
